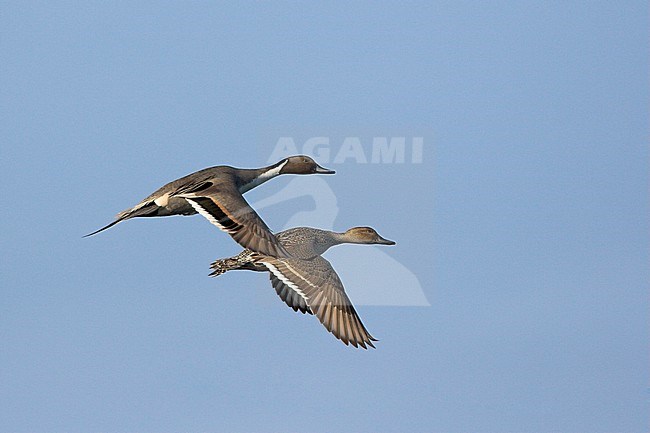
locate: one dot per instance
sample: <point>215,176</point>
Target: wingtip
<point>360,344</point>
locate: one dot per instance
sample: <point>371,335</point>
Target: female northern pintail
<point>307,282</point>
<point>216,194</point>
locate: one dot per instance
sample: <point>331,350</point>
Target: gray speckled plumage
<point>307,282</point>
<point>307,242</point>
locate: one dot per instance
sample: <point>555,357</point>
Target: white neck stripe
<point>268,174</point>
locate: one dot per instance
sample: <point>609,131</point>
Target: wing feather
<point>316,282</point>
<point>226,208</point>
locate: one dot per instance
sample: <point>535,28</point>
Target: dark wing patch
<point>289,296</point>
<point>193,188</point>
<point>219,217</point>
<point>227,209</point>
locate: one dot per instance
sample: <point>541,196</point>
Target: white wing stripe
<point>286,281</point>
<point>207,215</point>
<point>297,274</point>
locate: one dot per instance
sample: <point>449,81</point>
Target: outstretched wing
<point>224,206</point>
<point>290,296</point>
<point>321,290</point>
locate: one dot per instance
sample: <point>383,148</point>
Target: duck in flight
<point>216,193</point>
<point>307,282</point>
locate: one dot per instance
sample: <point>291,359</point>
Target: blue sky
<point>525,224</point>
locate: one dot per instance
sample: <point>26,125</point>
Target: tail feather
<point>150,209</point>
<point>222,266</point>
<point>104,228</point>
<point>242,261</point>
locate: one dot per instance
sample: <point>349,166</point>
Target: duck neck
<point>330,239</point>
<point>339,238</point>
<point>250,178</point>
<point>322,240</point>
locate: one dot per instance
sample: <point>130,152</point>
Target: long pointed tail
<point>104,228</point>
<point>150,209</point>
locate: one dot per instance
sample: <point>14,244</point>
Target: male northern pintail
<point>307,282</point>
<point>216,194</point>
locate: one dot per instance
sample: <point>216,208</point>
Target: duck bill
<point>383,241</point>
<point>323,170</point>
